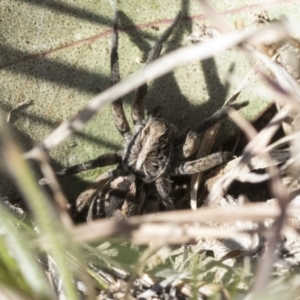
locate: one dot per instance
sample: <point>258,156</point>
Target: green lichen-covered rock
<point>55,54</point>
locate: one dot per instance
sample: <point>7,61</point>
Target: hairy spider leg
<point>192,140</point>
<point>163,184</point>
<point>101,161</point>
<point>88,196</point>
<point>138,106</point>
<point>203,164</point>
<point>117,106</point>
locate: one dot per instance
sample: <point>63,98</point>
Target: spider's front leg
<point>137,108</point>
<point>117,106</point>
<point>101,161</point>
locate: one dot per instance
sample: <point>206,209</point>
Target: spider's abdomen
<point>151,150</point>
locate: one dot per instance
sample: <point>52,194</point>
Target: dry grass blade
<point>284,140</point>
<point>260,232</point>
<point>58,196</point>
<point>255,146</point>
<point>169,226</point>
<point>18,106</point>
<point>154,70</point>
<point>220,23</point>
<point>204,149</point>
<point>286,84</point>
<point>288,89</point>
<point>44,213</point>
<point>279,191</point>
<point>277,157</point>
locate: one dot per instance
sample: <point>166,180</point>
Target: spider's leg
<point>164,186</point>
<point>90,194</point>
<point>192,141</point>
<point>101,161</point>
<point>117,106</point>
<point>137,108</point>
<point>122,197</point>
<point>203,164</point>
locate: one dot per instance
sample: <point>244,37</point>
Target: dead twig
<point>169,226</point>
<point>161,66</point>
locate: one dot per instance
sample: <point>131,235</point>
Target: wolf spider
<point>152,153</point>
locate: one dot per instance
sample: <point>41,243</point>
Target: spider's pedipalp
<point>164,187</point>
<point>203,164</point>
<point>117,106</point>
<point>192,141</point>
<point>137,108</point>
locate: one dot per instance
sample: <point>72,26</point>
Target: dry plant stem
<point>168,226</point>
<point>154,70</point>
<point>19,105</point>
<point>278,191</point>
<point>204,149</point>
<point>287,84</point>
<point>289,90</point>
<point>215,17</point>
<point>208,140</point>
<point>284,140</point>
<point>165,233</point>
<point>43,211</point>
<point>58,196</point>
<point>254,147</point>
<point>253,212</point>
<point>264,272</point>
<point>210,135</point>
<point>256,163</point>
<point>7,292</point>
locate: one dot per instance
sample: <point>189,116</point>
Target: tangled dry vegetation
<point>229,248</point>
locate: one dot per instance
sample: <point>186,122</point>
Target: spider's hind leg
<point>117,106</point>
<point>137,108</point>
